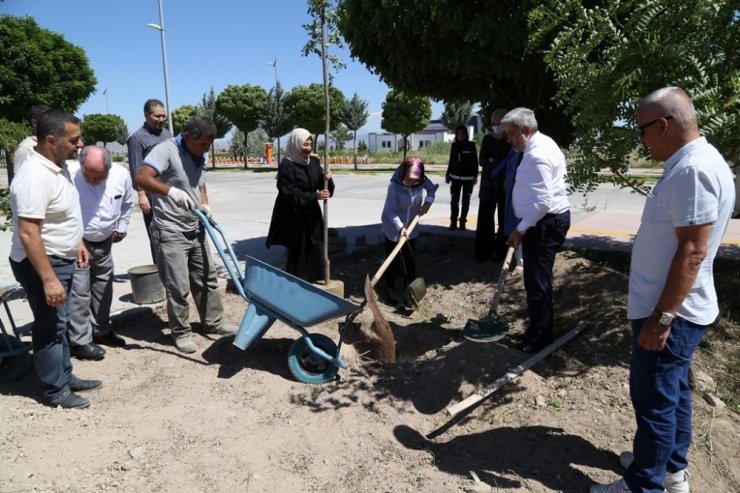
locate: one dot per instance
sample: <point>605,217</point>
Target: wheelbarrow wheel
<point>12,368</point>
<point>307,367</point>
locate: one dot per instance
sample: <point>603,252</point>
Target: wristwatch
<point>664,318</point>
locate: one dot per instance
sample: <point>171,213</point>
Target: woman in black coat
<point>297,222</point>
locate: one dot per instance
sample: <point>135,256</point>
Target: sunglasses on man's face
<point>641,128</point>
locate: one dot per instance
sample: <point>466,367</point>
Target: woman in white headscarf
<point>297,222</point>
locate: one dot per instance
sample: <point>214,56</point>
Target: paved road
<point>242,204</point>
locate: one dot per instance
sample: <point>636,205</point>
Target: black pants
<point>539,246</point>
<point>489,238</point>
<point>457,188</point>
<point>401,271</point>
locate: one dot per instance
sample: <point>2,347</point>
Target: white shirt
<point>106,207</point>
<point>696,188</point>
<point>43,190</point>
<point>23,150</point>
<point>539,187</point>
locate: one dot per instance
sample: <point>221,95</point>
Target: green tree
<point>456,51</point>
<point>275,119</point>
<point>122,133</point>
<point>255,142</point>
<point>103,128</point>
<point>305,107</point>
<point>243,106</point>
<point>404,114</point>
<point>11,134</point>
<point>362,146</point>
<point>40,66</point>
<point>340,137</point>
<point>207,107</point>
<point>354,116</point>
<point>456,114</point>
<point>608,56</point>
<point>181,115</point>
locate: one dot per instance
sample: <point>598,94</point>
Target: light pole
<point>160,27</point>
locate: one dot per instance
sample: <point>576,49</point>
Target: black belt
<point>192,235</point>
<point>550,215</point>
<point>98,243</point>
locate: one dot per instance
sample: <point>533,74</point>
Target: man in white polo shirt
<point>672,301</point>
<point>106,200</point>
<point>173,173</point>
<point>540,204</point>
<point>47,234</point>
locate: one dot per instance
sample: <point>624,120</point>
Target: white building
<point>434,132</point>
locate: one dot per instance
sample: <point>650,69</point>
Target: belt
<point>192,235</point>
<point>98,243</point>
<point>550,215</point>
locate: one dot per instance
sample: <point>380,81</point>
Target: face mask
<point>498,129</point>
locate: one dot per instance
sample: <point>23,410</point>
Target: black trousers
<point>401,271</point>
<point>489,238</point>
<point>457,188</point>
<point>539,246</point>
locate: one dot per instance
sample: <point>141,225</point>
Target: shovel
<point>489,329</point>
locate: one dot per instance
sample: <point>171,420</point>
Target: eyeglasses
<point>641,128</point>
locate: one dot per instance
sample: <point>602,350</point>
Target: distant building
<point>434,132</point>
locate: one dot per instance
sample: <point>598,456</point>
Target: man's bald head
<point>674,102</point>
<point>95,163</point>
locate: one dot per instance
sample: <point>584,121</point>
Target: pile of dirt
<point>224,419</point>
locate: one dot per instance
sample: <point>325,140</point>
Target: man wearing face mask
<point>173,173</point>
<point>493,150</point>
<point>540,204</point>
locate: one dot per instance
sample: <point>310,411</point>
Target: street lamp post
<point>160,27</point>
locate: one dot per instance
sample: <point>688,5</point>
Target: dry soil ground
<point>223,419</point>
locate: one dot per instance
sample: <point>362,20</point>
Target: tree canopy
<point>103,128</point>
<point>243,106</point>
<point>608,56</point>
<point>455,51</point>
<point>305,107</point>
<point>207,107</point>
<point>181,115</point>
<point>275,119</point>
<point>40,66</point>
<point>404,114</point>
<point>354,116</point>
<point>456,114</point>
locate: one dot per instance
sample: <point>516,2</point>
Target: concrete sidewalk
<point>242,204</point>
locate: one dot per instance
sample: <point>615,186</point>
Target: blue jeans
<point>50,348</point>
<point>659,388</point>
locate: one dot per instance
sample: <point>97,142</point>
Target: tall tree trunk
<point>354,148</point>
<point>327,266</point>
<point>246,151</point>
<point>278,155</point>
<point>10,166</point>
<point>405,146</point>
<point>213,156</point>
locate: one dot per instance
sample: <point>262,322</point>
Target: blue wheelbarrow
<point>276,295</point>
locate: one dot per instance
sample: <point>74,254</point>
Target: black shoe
<point>87,351</point>
<point>110,339</point>
<point>462,225</point>
<point>68,400</point>
<point>533,345</point>
<point>80,385</point>
<point>453,225</point>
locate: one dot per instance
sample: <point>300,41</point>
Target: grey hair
<point>200,125</point>
<point>672,101</point>
<point>520,118</point>
<point>106,156</point>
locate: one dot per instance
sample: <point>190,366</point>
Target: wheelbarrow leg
<point>254,325</point>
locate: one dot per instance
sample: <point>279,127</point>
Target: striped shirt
<point>139,144</point>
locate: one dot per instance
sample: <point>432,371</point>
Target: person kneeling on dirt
<point>173,174</point>
<point>405,199</point>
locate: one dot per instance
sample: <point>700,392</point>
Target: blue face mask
<point>498,129</point>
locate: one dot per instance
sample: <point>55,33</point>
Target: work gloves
<point>206,209</point>
<point>181,198</point>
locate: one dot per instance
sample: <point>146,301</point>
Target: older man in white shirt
<point>106,201</point>
<point>541,205</point>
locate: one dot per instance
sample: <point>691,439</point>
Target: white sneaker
<point>676,482</point>
<point>618,486</point>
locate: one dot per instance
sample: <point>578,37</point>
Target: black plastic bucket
<point>146,287</point>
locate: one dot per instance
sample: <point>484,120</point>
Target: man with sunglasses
<point>672,301</point>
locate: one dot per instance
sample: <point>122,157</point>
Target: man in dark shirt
<point>139,144</point>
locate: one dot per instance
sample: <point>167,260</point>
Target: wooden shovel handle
<point>500,283</point>
<point>395,251</point>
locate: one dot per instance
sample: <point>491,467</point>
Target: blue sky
<point>213,43</point>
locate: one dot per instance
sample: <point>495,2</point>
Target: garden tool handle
<point>500,283</point>
<point>401,242</point>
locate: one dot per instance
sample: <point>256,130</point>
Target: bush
<point>118,158</point>
<point>5,209</point>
